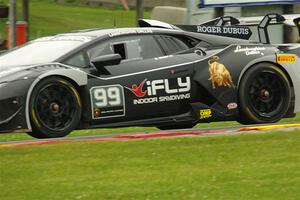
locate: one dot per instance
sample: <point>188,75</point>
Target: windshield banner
<point>239,3</point>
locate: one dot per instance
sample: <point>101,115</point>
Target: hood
<point>6,71</point>
<point>13,73</point>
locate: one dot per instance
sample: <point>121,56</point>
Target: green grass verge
<point>250,166</point>
<point>105,131</point>
<point>49,18</point>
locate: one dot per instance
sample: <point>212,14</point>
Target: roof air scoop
<point>222,21</point>
<point>155,23</point>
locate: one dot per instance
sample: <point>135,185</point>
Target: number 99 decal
<point>107,101</point>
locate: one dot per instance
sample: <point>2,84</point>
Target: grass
<point>255,166</point>
<point>46,19</point>
<point>103,131</point>
<point>49,18</point>
<point>252,166</point>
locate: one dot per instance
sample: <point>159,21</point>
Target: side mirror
<point>106,60</point>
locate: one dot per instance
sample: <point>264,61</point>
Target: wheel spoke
<point>265,92</point>
<point>55,106</point>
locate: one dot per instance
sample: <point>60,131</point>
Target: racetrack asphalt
<point>158,134</point>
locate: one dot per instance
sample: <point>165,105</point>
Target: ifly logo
<point>138,90</point>
<point>182,85</point>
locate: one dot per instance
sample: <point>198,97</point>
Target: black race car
<point>155,75</point>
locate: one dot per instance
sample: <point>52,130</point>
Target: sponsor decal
<point>129,31</point>
<point>205,114</point>
<point>250,50</point>
<point>232,106</point>
<point>286,58</point>
<point>223,30</point>
<point>107,101</point>
<point>97,113</point>
<point>241,32</point>
<point>181,91</point>
<point>66,38</point>
<point>219,74</point>
<point>138,90</point>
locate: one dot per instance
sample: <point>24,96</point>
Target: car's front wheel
<point>55,108</point>
<point>264,95</point>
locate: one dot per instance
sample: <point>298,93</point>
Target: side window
<point>101,49</point>
<point>82,59</point>
<point>150,48</point>
<point>129,47</point>
<point>172,44</point>
<point>120,49</point>
<point>177,43</point>
<point>78,60</point>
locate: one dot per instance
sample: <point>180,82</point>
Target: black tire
<point>176,126</point>
<point>55,108</point>
<point>264,95</point>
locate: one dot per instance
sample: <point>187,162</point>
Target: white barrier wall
<point>196,15</point>
<point>171,15</point>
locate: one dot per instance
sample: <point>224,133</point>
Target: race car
<point>160,75</point>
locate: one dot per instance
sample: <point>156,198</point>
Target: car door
<point>113,93</point>
<point>147,83</point>
<point>152,82</point>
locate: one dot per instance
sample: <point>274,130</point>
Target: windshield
<point>38,52</point>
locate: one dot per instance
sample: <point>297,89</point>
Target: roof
<point>118,31</point>
<point>88,35</point>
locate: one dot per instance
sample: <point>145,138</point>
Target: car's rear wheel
<point>264,95</point>
<point>55,108</point>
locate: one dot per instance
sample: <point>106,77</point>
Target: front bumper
<point>12,114</point>
<point>12,105</point>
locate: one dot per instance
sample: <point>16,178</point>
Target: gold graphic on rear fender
<point>219,74</point>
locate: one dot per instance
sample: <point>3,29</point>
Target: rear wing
<point>270,19</point>
<point>232,27</point>
<point>212,28</point>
